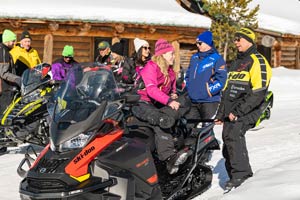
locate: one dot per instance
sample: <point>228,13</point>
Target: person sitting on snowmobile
<point>159,104</point>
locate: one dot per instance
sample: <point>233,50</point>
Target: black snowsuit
<point>248,80</point>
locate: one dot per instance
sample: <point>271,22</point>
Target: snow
<point>274,16</point>
<point>273,151</point>
<point>166,12</point>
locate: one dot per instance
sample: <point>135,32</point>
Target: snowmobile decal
<point>79,165</point>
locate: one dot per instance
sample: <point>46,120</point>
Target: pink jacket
<point>157,86</point>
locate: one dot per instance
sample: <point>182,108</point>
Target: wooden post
<point>48,48</point>
<point>277,53</point>
<point>297,57</point>
<point>176,46</point>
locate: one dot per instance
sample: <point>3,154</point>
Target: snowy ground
<point>273,150</point>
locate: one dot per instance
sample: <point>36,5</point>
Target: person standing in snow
<point>61,66</point>
<point>8,77</point>
<point>24,56</point>
<point>247,84</point>
<point>205,78</point>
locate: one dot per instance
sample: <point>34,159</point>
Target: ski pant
<point>202,111</point>
<point>235,150</point>
<point>164,142</point>
<point>5,99</point>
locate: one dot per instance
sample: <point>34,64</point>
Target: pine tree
<point>227,17</point>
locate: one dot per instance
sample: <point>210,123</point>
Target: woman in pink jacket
<point>159,104</point>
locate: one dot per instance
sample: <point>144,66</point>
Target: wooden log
<point>48,48</point>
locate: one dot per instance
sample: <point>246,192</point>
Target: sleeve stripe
<point>263,69</point>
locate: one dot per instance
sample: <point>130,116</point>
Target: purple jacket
<point>157,86</point>
<point>60,68</point>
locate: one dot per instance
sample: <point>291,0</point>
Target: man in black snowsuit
<point>247,84</point>
<point>7,70</point>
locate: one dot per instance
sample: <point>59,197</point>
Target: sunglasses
<point>237,39</point>
<point>199,43</point>
<point>149,48</point>
<point>68,57</point>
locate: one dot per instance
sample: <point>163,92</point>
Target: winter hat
<point>25,34</point>
<point>118,48</point>
<point>68,51</point>
<point>247,34</point>
<point>8,36</point>
<point>206,37</point>
<point>138,43</point>
<point>103,45</point>
<point>163,46</point>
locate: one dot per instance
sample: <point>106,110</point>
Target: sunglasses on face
<point>199,43</point>
<point>149,48</point>
<point>237,39</point>
<point>68,57</point>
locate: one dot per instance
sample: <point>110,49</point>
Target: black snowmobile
<point>94,155</point>
<point>24,120</point>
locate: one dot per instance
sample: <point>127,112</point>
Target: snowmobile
<point>96,152</point>
<point>24,120</point>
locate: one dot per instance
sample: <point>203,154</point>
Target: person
<point>61,66</point>
<point>24,56</point>
<point>8,75</point>
<point>104,56</point>
<point>159,105</point>
<point>117,52</point>
<point>133,65</point>
<point>247,84</point>
<point>205,78</point>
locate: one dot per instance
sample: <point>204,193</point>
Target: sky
<point>287,9</point>
<point>273,151</point>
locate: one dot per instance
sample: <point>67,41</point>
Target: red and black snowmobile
<point>94,154</point>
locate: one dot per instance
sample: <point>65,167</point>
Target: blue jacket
<point>206,76</point>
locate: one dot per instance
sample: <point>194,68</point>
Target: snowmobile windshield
<point>81,100</point>
<point>33,78</point>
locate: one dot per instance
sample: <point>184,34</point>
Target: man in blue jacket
<point>205,78</point>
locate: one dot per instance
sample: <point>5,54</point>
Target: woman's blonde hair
<point>162,63</point>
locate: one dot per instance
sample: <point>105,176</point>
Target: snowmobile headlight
<point>76,142</point>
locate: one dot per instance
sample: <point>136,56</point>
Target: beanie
<point>103,45</point>
<point>247,34</point>
<point>25,34</point>
<point>138,43</point>
<point>68,51</point>
<point>162,46</point>
<point>8,36</point>
<point>206,37</point>
<point>118,48</point>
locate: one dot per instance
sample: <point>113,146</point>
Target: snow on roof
<point>157,12</point>
<point>279,16</point>
<point>278,24</point>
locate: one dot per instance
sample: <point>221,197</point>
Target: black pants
<point>5,100</point>
<point>202,111</point>
<point>235,150</point>
<point>163,138</point>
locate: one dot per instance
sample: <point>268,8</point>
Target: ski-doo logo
<point>83,154</point>
<point>243,76</point>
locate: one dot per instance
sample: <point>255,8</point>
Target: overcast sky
<point>289,9</point>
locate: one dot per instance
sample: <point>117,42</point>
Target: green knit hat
<point>8,36</point>
<point>68,51</point>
